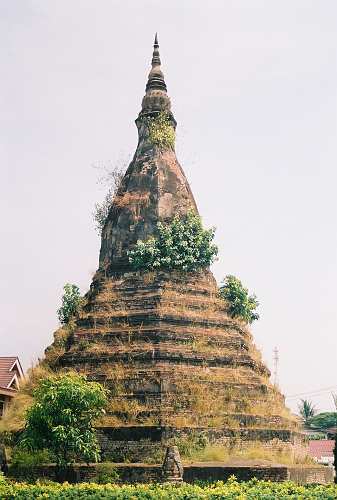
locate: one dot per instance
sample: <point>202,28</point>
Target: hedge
<point>232,489</point>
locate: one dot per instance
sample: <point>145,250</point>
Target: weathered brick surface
<point>163,342</point>
<point>141,473</point>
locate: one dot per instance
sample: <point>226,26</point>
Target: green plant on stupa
<point>241,304</point>
<point>161,131</point>
<point>181,244</point>
<point>71,303</point>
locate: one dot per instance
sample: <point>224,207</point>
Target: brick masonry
<point>142,473</point>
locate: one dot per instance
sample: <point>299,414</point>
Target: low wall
<point>143,473</point>
<point>308,475</point>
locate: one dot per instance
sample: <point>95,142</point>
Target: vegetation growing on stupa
<point>111,178</point>
<point>241,304</point>
<point>182,244</point>
<point>161,131</point>
<point>71,303</point>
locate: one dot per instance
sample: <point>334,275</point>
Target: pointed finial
<point>155,56</point>
<point>156,77</point>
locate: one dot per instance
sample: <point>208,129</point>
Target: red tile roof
<point>8,367</point>
<point>321,448</point>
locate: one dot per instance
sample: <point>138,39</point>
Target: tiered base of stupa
<point>179,369</point>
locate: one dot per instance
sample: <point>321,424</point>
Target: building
<point>177,364</point>
<point>11,374</point>
<point>321,450</point>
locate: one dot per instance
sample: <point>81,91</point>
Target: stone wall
<point>142,473</point>
<point>307,475</point>
<point>147,443</point>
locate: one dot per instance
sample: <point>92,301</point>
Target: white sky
<point>254,90</point>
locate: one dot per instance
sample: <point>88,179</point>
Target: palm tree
<point>307,410</point>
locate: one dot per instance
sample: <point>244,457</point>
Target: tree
<point>181,244</point>
<point>71,302</point>
<point>324,420</point>
<point>61,417</point>
<point>112,179</point>
<point>240,303</point>
<point>307,410</point>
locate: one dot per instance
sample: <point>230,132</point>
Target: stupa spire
<point>156,77</point>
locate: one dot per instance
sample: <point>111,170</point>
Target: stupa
<point>179,367</point>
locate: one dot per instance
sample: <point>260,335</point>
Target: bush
<point>182,244</point>
<point>113,178</point>
<point>231,490</point>
<point>241,305</point>
<point>106,473</point>
<point>161,131</point>
<point>24,463</point>
<point>61,418</point>
<point>71,302</point>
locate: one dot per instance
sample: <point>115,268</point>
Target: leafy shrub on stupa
<point>241,304</point>
<point>182,244</point>
<point>161,131</point>
<point>71,303</point>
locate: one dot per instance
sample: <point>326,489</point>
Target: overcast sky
<point>254,90</point>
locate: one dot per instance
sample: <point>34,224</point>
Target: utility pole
<point>275,365</point>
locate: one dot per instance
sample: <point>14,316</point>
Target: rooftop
<point>321,448</point>
<point>10,371</point>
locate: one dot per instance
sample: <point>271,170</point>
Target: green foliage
<point>190,446</point>
<point>182,244</point>
<point>71,302</point>
<point>324,420</point>
<point>241,304</point>
<point>23,463</point>
<point>230,490</point>
<point>106,473</point>
<point>161,131</point>
<point>112,179</point>
<point>307,410</point>
<point>61,418</point>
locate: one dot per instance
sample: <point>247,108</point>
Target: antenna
<point>275,365</point>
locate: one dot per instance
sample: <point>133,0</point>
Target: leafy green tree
<point>182,244</point>
<point>241,304</point>
<point>71,302</point>
<point>307,410</point>
<point>61,418</point>
<point>324,420</point>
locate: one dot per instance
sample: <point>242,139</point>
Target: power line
<point>311,393</point>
